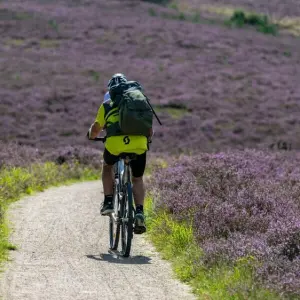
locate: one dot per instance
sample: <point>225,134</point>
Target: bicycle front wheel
<point>127,220</point>
<point>114,223</point>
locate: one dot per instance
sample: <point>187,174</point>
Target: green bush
<point>152,12</point>
<point>260,22</point>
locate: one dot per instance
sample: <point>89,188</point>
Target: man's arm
<point>151,132</point>
<point>98,125</point>
<point>94,130</point>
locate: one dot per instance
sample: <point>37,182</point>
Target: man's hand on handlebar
<point>94,130</point>
<point>88,134</point>
<point>151,136</point>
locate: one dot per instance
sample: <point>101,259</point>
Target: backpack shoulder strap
<point>107,108</point>
<point>110,109</point>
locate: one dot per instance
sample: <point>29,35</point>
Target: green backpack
<point>135,112</point>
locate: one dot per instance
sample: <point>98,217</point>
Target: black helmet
<point>116,79</point>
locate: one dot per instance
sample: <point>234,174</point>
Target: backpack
<point>135,112</point>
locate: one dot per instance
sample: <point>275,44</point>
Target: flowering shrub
<point>158,1</point>
<point>239,88</point>
<point>240,204</point>
<point>12,154</point>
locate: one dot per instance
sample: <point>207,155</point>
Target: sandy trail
<point>63,253</point>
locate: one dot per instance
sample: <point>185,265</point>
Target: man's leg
<point>108,182</point>
<point>138,189</point>
<point>107,179</point>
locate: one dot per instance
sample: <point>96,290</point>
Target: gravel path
<point>63,253</point>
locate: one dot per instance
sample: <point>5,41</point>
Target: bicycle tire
<point>114,221</point>
<point>115,227</point>
<point>127,220</point>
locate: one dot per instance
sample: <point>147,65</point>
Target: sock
<point>108,198</point>
<point>139,208</point>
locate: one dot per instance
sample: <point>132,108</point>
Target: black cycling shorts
<point>137,165</point>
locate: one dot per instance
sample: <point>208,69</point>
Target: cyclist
<point>115,145</point>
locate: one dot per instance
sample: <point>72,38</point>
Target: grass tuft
<point>94,74</point>
<point>11,247</point>
<point>153,164</point>
<point>174,6</point>
<point>53,24</point>
<point>15,42</point>
<point>48,43</point>
<point>181,16</point>
<point>175,110</point>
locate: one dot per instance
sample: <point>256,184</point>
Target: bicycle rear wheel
<point>127,220</point>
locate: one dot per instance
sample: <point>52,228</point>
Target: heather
<point>216,89</point>
<point>158,1</point>
<point>239,205</point>
<point>13,154</point>
<point>176,242</point>
<point>235,88</point>
<point>237,19</point>
<point>282,9</point>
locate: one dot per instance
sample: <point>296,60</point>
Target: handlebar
<point>102,139</point>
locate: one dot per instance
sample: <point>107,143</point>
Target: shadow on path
<point>117,258</point>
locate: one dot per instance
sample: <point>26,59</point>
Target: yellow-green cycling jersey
<point>121,143</point>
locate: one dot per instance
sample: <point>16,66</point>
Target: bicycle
<point>122,219</point>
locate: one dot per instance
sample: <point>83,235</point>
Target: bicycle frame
<point>122,174</point>
<point>127,170</point>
